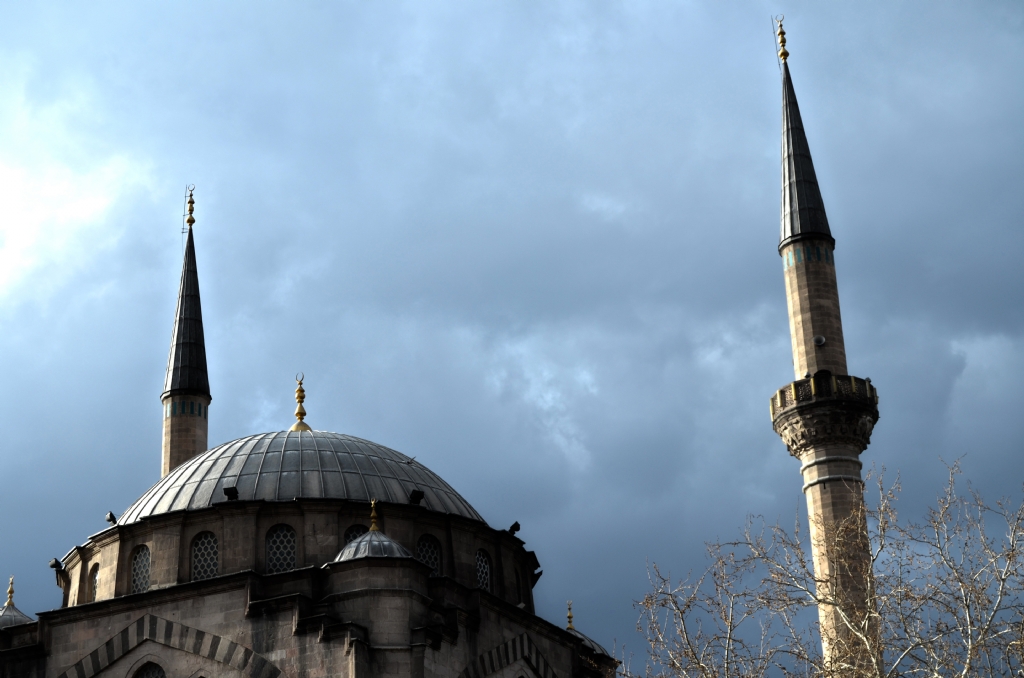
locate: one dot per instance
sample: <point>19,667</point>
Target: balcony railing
<point>823,386</point>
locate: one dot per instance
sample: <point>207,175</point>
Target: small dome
<point>11,616</point>
<point>291,465</point>
<point>373,544</point>
<point>589,643</point>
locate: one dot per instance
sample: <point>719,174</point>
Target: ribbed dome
<point>589,643</point>
<point>12,616</point>
<point>373,544</point>
<point>291,465</point>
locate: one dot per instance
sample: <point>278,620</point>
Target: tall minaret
<point>826,416</point>
<point>186,395</point>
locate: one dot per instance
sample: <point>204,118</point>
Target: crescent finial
<point>300,411</point>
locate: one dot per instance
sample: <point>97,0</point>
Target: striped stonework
<point>495,659</point>
<point>174,635</point>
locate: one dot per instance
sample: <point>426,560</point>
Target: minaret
<point>826,416</point>
<point>186,395</point>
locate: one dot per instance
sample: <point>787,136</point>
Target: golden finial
<point>783,54</point>
<point>373,516</point>
<point>300,411</point>
<point>191,206</point>
<point>10,592</point>
<point>569,617</point>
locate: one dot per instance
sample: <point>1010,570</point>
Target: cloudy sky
<point>531,243</point>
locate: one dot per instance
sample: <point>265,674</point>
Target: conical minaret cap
<point>186,364</point>
<point>803,210</point>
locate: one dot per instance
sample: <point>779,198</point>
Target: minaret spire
<point>803,211</point>
<point>826,416</point>
<point>186,395</point>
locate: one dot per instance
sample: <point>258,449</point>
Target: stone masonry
<point>813,299</point>
<point>362,618</point>
<point>185,430</point>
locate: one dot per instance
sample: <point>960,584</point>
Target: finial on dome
<point>300,411</point>
<point>10,592</point>
<point>373,516</point>
<point>783,54</point>
<point>191,206</point>
<point>568,616</point>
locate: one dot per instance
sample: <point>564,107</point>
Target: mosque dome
<point>590,643</point>
<point>373,544</point>
<point>288,465</point>
<point>10,615</point>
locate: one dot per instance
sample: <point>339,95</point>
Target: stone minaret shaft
<point>826,416</point>
<point>186,395</point>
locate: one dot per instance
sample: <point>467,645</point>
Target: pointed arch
<point>177,636</point>
<point>497,658</point>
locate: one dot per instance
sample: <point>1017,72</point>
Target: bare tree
<point>946,599</point>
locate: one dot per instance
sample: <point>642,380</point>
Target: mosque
<point>293,553</point>
<point>307,554</point>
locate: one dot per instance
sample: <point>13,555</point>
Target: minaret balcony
<point>825,409</point>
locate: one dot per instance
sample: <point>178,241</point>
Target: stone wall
<point>241,530</point>
<point>379,617</point>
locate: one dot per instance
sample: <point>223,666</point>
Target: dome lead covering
<point>289,465</point>
<point>373,544</point>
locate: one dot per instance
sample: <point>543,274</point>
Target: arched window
<point>93,583</point>
<point>150,670</point>
<point>428,552</point>
<point>140,570</point>
<point>204,556</point>
<point>483,570</point>
<point>280,549</point>
<point>355,532</point>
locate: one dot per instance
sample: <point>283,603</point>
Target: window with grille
<point>355,532</point>
<point>204,556</point>
<point>140,570</point>
<point>281,545</point>
<point>428,552</point>
<point>94,584</point>
<point>483,570</point>
<point>150,670</point>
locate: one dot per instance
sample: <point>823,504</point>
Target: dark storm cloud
<point>532,245</point>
